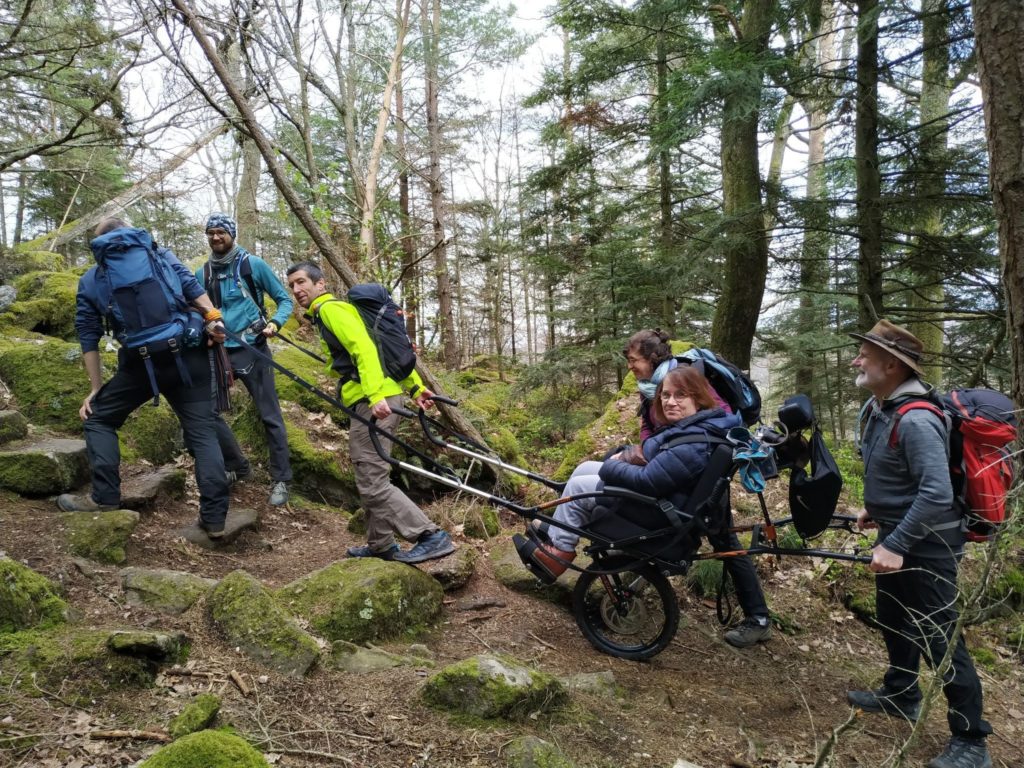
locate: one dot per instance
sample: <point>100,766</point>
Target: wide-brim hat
<point>897,341</point>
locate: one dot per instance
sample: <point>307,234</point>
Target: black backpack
<point>733,385</point>
<point>385,323</point>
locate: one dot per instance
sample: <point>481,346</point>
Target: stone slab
<point>141,491</point>
<point>239,520</point>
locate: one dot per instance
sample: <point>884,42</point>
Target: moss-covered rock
<point>13,426</point>
<point>46,377</point>
<point>100,536</point>
<point>454,571</point>
<point>249,617</point>
<point>365,599</point>
<point>197,715</point>
<point>355,659</point>
<point>153,434</point>
<point>166,591</point>
<point>144,489</point>
<point>531,752</point>
<point>855,588</point>
<point>158,646</point>
<point>481,522</point>
<point>30,257</point>
<point>45,304</point>
<point>494,687</point>
<point>77,662</point>
<point>28,599</point>
<point>209,749</point>
<point>43,467</point>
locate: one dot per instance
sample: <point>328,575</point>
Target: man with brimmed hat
<point>237,282</point>
<point>908,497</point>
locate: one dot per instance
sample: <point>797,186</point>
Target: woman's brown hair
<point>690,382</point>
<point>652,345</point>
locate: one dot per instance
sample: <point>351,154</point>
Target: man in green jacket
<point>369,392</point>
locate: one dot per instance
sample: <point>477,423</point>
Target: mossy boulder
<point>13,426</point>
<point>144,489</point>
<point>100,536</point>
<point>158,646</point>
<point>77,662</point>
<point>1007,588</point>
<point>28,599</point>
<point>45,304</point>
<point>531,752</point>
<point>43,467</point>
<point>209,749</point>
<point>30,257</point>
<point>166,591</point>
<point>152,434</point>
<point>46,377</point>
<point>365,599</point>
<point>489,686</point>
<point>353,658</point>
<point>480,522</point>
<point>855,588</point>
<point>197,715</point>
<point>249,617</point>
<point>315,463</point>
<point>454,571</point>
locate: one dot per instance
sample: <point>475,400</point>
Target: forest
<point>534,182</point>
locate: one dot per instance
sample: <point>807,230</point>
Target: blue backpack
<point>733,385</point>
<point>145,297</point>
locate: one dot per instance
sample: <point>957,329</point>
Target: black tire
<point>632,615</point>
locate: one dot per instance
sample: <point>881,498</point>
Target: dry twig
<point>237,680</point>
<point>132,734</point>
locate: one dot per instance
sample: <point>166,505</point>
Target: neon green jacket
<point>345,324</point>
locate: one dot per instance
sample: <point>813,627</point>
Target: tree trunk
<point>869,180</point>
<point>410,296</point>
<point>999,36</point>
<point>936,90</point>
<point>746,242</point>
<point>446,314</point>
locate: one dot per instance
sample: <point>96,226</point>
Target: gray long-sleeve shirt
<point>907,489</point>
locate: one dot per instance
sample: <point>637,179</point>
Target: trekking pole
<point>299,347</point>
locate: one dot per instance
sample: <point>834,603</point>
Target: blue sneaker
<point>430,546</point>
<point>365,551</point>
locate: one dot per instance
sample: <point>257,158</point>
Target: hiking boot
<point>552,560</point>
<point>279,494</point>
<point>750,631</point>
<point>69,502</point>
<point>886,702</point>
<point>430,546</point>
<point>963,753</point>
<point>237,475</point>
<point>212,530</point>
<point>365,551</point>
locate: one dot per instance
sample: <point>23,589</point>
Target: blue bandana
<point>222,221</point>
<point>649,386</point>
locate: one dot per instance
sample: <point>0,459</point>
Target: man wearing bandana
<point>237,282</point>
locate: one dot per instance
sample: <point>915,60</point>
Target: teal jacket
<point>238,308</point>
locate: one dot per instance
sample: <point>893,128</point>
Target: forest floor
<point>700,700</point>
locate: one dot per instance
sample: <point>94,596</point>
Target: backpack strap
<point>247,283</point>
<point>914,405</point>
<point>212,286</point>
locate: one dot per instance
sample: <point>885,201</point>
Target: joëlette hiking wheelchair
<point>623,601</point>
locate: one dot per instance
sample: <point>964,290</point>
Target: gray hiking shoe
<point>963,753</point>
<point>885,702</point>
<point>751,631</point>
<point>279,494</point>
<point>69,502</point>
<point>430,546</point>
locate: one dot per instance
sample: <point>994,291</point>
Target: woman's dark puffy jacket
<point>672,473</point>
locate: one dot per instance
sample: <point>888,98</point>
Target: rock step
<point>239,520</point>
<point>44,467</point>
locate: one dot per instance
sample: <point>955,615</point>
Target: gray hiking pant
<point>258,377</point>
<point>388,510</point>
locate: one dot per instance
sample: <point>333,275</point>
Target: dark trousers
<point>258,377</point>
<point>743,574</point>
<point>916,607</point>
<point>127,390</point>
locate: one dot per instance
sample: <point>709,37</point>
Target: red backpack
<point>984,425</point>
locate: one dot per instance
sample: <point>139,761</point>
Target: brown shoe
<point>552,560</point>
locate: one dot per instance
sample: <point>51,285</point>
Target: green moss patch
<point>531,752</point>
<point>153,434</point>
<point>362,600</point>
<point>27,599</point>
<point>209,749</point>
<point>163,590</point>
<point>13,426</point>
<point>44,467</point>
<point>494,687</point>
<point>249,617</point>
<point>197,715</point>
<point>100,536</point>
<point>45,304</point>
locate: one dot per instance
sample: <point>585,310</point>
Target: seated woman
<point>683,401</point>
